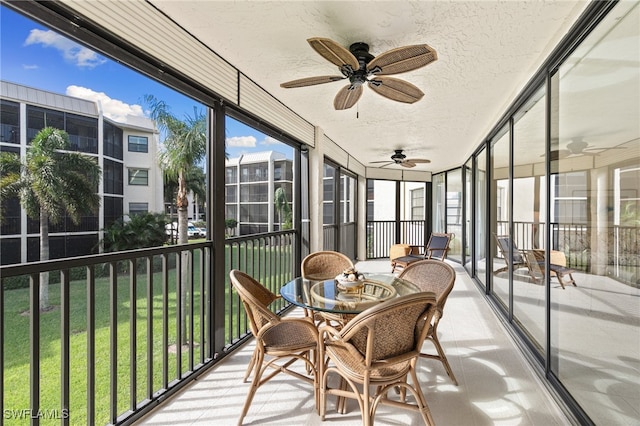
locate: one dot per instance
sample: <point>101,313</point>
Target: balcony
<point>132,323</point>
<point>496,383</point>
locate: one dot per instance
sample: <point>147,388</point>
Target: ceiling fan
<point>360,67</point>
<point>399,158</point>
<point>579,147</point>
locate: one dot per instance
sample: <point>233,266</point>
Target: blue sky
<point>35,56</point>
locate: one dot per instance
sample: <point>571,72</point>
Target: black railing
<point>381,235</point>
<point>574,240</point>
<point>270,259</point>
<point>127,329</point>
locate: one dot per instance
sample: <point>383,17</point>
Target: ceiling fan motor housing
<point>398,156</point>
<point>361,51</point>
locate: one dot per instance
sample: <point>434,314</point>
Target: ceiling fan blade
<point>347,97</point>
<point>593,148</point>
<point>402,59</point>
<point>311,81</point>
<point>385,161</point>
<point>418,160</point>
<point>333,52</point>
<point>396,89</point>
<point>408,164</point>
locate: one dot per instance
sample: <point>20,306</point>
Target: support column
<point>316,165</point>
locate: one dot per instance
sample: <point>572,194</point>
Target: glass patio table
<point>330,296</point>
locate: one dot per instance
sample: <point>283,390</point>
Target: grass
<point>16,341</point>
<point>16,346</point>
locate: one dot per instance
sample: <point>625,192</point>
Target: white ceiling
<point>487,51</point>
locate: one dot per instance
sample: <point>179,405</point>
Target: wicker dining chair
<point>377,349</point>
<point>279,341</point>
<point>438,277</point>
<point>324,265</point>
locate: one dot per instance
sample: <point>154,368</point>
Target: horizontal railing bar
<point>95,259</point>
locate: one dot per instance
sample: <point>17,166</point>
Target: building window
<point>39,118</point>
<point>112,177</point>
<point>139,177</point>
<point>9,122</point>
<point>417,204</point>
<point>138,144</point>
<point>112,141</point>
<point>138,208</point>
<point>231,175</point>
<point>254,172</point>
<point>83,133</point>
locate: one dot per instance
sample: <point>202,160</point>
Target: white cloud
<point>29,67</point>
<point>244,141</point>
<point>268,140</point>
<point>112,108</point>
<point>71,51</point>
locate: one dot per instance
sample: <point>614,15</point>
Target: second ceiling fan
<point>360,67</point>
<point>400,159</point>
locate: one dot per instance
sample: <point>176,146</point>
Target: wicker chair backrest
<point>324,265</point>
<point>388,330</point>
<point>255,298</point>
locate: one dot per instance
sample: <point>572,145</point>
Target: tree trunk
<point>183,238</point>
<point>44,255</point>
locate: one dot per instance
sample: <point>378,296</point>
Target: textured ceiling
<point>487,51</point>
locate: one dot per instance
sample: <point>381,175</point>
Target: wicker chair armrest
<point>330,332</point>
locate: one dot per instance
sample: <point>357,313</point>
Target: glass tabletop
<point>331,296</point>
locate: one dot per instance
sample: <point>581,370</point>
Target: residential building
<point>126,152</point>
<point>251,182</point>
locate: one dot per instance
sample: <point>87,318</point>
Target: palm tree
<point>196,182</point>
<point>283,208</point>
<point>51,183</point>
<point>185,146</point>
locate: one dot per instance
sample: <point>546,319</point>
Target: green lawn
<point>16,348</point>
<point>16,340</point>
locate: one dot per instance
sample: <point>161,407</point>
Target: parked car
<point>192,231</point>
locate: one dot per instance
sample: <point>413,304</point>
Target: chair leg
<point>250,366</point>
<point>367,414</point>
<point>421,400</point>
<point>562,281</point>
<point>441,356</point>
<point>255,383</point>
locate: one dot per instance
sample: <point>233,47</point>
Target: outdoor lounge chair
<point>515,260</point>
<point>535,263</point>
<point>436,248</point>
<point>396,251</point>
<point>376,351</point>
<point>439,278</point>
<point>277,339</point>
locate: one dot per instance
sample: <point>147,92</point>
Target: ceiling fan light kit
<point>360,67</point>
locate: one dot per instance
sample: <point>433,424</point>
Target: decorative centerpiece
<point>350,278</point>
